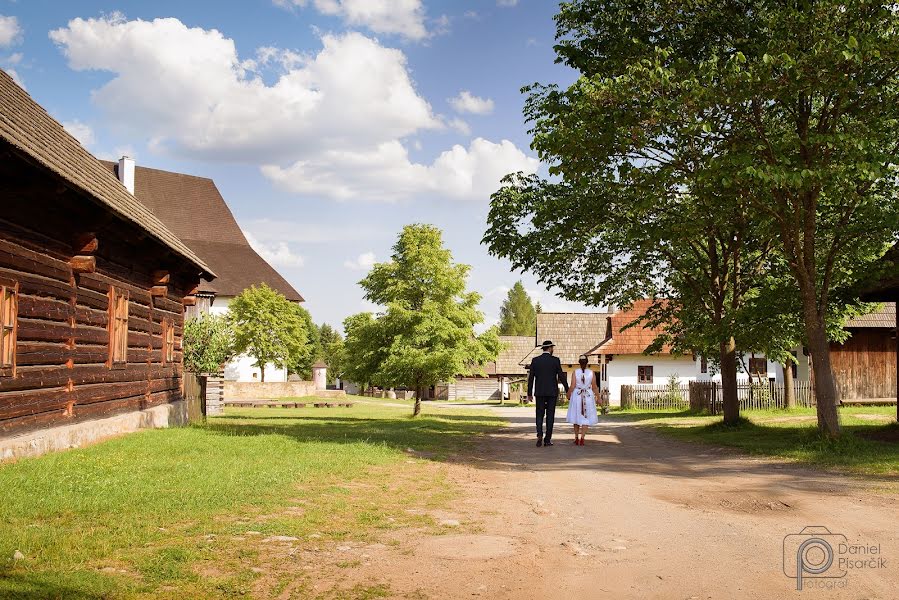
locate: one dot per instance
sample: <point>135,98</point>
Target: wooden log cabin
<point>92,285</point>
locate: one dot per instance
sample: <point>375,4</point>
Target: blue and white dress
<point>582,408</point>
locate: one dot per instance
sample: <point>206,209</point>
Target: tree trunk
<point>729,382</point>
<point>826,396</point>
<point>789,386</point>
<point>418,392</point>
<point>262,372</point>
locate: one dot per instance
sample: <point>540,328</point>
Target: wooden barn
<point>92,287</point>
<point>864,366</point>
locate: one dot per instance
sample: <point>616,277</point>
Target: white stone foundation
<point>77,435</point>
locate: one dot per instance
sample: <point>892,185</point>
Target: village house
<point>194,209</point>
<point>622,362</point>
<point>498,376</point>
<point>864,366</point>
<point>92,293</point>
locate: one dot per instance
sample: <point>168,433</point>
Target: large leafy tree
<point>270,328</point>
<point>517,315</point>
<point>782,112</point>
<point>426,334</point>
<point>637,208</point>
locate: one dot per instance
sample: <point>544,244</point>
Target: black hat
<point>547,344</point>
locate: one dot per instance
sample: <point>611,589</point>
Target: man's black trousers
<point>546,405</point>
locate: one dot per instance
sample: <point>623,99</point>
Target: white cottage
<point>621,359</point>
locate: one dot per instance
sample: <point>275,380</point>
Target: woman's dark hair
<point>582,360</point>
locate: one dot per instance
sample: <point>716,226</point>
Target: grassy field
<point>183,513</point>
<point>792,435</point>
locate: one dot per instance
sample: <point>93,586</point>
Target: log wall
<point>865,366</point>
<point>62,374</point>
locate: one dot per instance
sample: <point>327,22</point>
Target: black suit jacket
<point>547,370</point>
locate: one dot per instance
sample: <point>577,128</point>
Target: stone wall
<point>257,390</point>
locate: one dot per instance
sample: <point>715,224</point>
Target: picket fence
<point>707,396</point>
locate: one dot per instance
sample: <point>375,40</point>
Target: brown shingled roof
<point>884,317</point>
<point>28,128</point>
<point>512,358</point>
<point>194,209</point>
<point>573,333</point>
<point>633,340</point>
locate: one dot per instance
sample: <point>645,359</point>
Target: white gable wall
<point>775,370</point>
<point>623,371</point>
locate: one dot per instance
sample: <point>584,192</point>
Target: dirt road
<point>636,515</point>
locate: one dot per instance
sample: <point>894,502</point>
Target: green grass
<point>174,513</point>
<point>791,435</point>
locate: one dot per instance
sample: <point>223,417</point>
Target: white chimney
<point>126,173</point>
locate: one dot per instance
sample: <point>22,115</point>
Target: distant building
<point>193,208</point>
<point>499,375</point>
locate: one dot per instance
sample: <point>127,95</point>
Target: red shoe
<point>581,443</point>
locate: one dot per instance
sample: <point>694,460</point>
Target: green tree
<point>208,343</point>
<point>302,362</point>
<point>517,315</point>
<point>364,349</point>
<point>426,335</point>
<point>330,350</point>
<point>270,328</point>
<point>786,108</point>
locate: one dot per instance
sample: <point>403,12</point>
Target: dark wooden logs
<point>83,264</point>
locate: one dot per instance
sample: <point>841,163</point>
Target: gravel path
<point>634,515</point>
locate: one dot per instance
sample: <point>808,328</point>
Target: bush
<point>208,343</point>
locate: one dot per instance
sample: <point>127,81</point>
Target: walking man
<point>546,369</point>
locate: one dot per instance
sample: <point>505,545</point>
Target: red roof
<point>633,340</point>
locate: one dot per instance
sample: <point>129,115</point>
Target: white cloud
<point>277,254</point>
<point>10,31</point>
<point>405,18</point>
<point>80,131</point>
<point>506,2</point>
<point>461,126</point>
<point>331,123</point>
<point>363,262</point>
<point>190,91</point>
<point>465,102</point>
<point>386,174</point>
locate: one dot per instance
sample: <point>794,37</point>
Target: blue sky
<point>326,124</point>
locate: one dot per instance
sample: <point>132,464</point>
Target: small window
<point>168,341</point>
<point>703,364</point>
<point>118,327</point>
<point>758,366</point>
<point>9,313</point>
<point>644,374</point>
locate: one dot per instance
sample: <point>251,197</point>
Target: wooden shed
<point>864,366</point>
<point>93,286</point>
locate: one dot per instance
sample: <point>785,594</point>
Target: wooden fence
<point>655,396</point>
<point>215,394</point>
<point>707,396</point>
